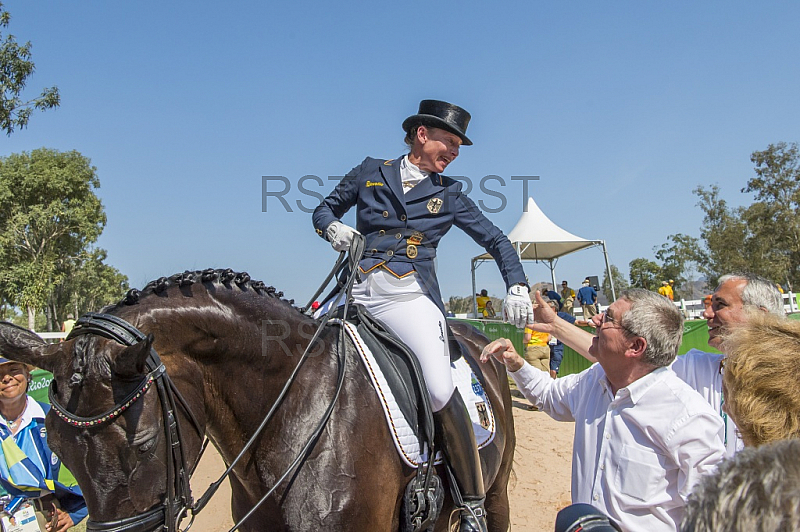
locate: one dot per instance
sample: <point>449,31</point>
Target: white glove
<point>517,307</point>
<point>340,235</point>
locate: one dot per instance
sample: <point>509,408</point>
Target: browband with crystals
<point>78,421</point>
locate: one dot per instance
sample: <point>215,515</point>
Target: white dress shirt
<point>411,175</point>
<point>703,372</point>
<point>636,455</point>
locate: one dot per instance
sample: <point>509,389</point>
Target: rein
<point>178,502</point>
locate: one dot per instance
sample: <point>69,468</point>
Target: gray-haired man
<point>632,414</point>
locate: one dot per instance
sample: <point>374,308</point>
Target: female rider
<point>404,207</point>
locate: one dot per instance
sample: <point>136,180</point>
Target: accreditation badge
<point>21,520</point>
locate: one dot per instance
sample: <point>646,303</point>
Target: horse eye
<point>147,446</point>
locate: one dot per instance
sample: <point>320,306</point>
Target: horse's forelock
<point>89,360</point>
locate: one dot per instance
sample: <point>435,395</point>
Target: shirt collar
<point>409,172</point>
<point>33,410</point>
<point>640,386</point>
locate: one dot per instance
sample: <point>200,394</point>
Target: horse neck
<point>233,353</point>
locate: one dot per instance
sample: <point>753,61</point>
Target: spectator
<point>481,300</point>
<point>556,346</point>
<point>68,324</point>
<point>735,295</point>
<point>643,437</point>
<point>553,296</point>
<point>707,303</point>
<point>757,490</point>
<point>671,290</point>
<point>664,289</point>
<point>760,379</point>
<point>488,311</point>
<point>730,302</point>
<point>587,297</point>
<point>28,468</point>
<point>567,298</point>
<point>537,352</point>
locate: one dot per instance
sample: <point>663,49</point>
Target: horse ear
<point>22,345</point>
<point>131,361</point>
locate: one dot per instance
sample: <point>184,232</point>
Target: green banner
<point>40,381</point>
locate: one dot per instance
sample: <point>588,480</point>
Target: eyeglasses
<point>605,317</point>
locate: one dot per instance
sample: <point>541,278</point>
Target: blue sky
<point>622,108</point>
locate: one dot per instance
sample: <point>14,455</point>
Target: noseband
<point>179,497</point>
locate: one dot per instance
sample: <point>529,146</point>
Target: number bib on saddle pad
<point>403,435</point>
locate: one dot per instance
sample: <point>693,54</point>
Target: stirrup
<point>472,517</point>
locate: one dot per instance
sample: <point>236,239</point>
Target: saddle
<point>397,376</point>
<point>400,368</point>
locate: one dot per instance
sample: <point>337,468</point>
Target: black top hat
<point>434,113</point>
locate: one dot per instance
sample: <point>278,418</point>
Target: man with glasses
<point>643,437</point>
<point>735,296</point>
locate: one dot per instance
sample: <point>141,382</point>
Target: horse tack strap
<point>179,498</point>
<point>107,326</point>
<point>110,415</point>
<point>147,522</point>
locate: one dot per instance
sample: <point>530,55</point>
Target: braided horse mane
<point>226,278</point>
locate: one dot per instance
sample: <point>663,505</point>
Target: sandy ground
<point>539,487</point>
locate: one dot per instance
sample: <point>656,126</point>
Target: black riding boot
<point>457,442</point>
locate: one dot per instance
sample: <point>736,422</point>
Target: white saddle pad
<point>406,442</point>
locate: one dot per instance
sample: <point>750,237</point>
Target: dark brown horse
<point>230,344</point>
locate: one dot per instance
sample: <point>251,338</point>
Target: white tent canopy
<point>537,238</point>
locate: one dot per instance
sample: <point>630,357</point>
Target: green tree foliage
<point>764,237</point>
<point>88,285</point>
<point>645,274</point>
<point>49,217</point>
<point>724,234</point>
<point>15,69</point>
<point>775,216</point>
<point>680,259</point>
<point>620,283</point>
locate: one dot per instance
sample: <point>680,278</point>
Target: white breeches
<point>402,306</point>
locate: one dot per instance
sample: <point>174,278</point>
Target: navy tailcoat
<point>403,230</point>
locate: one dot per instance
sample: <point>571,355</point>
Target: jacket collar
<point>391,173</point>
<point>427,187</point>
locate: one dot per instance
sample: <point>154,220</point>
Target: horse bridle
<point>179,503</point>
<point>179,497</point>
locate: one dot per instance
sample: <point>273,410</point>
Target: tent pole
<point>608,270</point>
<point>474,291</point>
<point>553,275</point>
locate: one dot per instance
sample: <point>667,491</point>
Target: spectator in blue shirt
<point>587,296</point>
<point>553,296</point>
<point>556,347</point>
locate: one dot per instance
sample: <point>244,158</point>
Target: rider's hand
<point>340,235</point>
<point>517,307</point>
